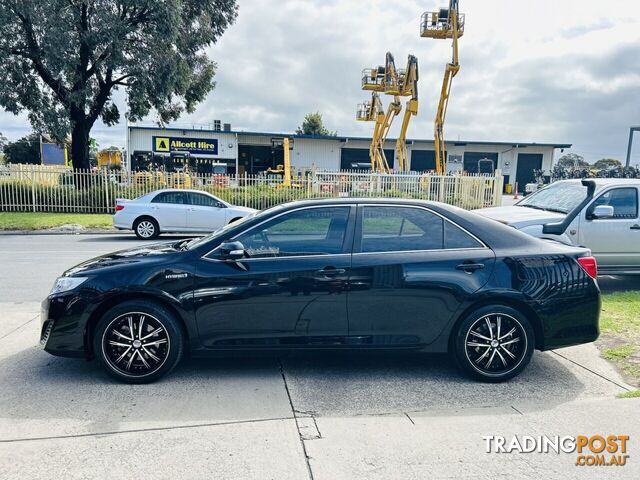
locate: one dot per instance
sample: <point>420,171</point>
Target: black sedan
<point>330,274</point>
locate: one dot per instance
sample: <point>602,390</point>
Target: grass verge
<point>619,340</point>
<point>41,221</point>
<point>631,394</point>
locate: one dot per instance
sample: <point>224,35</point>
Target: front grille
<point>46,331</point>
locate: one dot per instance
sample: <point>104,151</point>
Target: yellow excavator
<point>447,23</point>
<point>384,79</point>
<point>408,87</point>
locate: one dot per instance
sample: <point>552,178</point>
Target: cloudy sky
<point>545,71</point>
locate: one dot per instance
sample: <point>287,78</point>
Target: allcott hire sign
<point>196,146</point>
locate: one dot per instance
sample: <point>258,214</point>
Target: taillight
<point>119,207</point>
<point>589,265</point>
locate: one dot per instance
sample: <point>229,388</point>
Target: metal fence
<point>37,189</point>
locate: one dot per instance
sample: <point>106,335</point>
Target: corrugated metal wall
<point>309,152</point>
<point>326,153</point>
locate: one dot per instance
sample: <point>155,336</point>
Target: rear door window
<point>399,229</point>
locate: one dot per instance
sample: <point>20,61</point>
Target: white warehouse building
<point>225,150</point>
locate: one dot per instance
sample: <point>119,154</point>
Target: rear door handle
<point>331,272</point>
<point>470,267</point>
<point>635,227</point>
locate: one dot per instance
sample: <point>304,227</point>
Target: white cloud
<point>544,71</point>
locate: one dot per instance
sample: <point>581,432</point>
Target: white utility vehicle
<point>600,214</point>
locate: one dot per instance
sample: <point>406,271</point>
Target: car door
<point>205,213</point>
<point>410,271</point>
<point>170,210</point>
<point>615,241</point>
<point>290,290</point>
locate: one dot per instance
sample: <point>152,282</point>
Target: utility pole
<point>631,130</point>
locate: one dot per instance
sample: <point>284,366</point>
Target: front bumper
<point>62,325</point>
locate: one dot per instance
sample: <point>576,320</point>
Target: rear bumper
<point>571,321</point>
<point>123,221</point>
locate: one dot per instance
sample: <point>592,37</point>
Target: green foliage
<point>313,125</point>
<point>61,60</point>
<point>630,394</point>
<point>3,141</point>
<point>40,221</point>
<point>604,163</point>
<point>619,353</point>
<point>24,150</point>
<point>570,160</point>
<point>620,332</point>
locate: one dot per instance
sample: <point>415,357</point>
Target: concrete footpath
<point>299,417</point>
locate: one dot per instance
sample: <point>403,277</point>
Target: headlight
<point>64,284</point>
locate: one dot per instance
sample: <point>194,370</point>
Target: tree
<point>313,125</point>
<point>3,142</point>
<point>61,60</point>
<point>23,150</point>
<point>570,160</point>
<point>605,163</point>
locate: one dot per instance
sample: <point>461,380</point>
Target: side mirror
<point>231,251</point>
<point>602,211</point>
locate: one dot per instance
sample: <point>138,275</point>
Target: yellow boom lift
<point>444,24</point>
<point>408,79</point>
<point>383,79</point>
<point>284,170</point>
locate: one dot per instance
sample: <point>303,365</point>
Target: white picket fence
<point>38,189</point>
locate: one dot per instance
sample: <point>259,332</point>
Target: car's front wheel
<point>138,341</point>
<point>146,228</point>
<point>494,343</point>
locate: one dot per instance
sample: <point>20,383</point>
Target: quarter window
<point>455,237</point>
<point>397,229</point>
<point>623,200</point>
<point>170,197</point>
<point>312,231</point>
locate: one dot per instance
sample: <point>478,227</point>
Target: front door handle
<point>470,267</point>
<point>634,227</point>
<point>331,272</point>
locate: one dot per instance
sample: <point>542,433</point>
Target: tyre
<point>146,228</point>
<point>138,341</point>
<point>494,343</point>
<point>233,220</point>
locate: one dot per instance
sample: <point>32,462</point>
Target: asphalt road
<point>296,416</point>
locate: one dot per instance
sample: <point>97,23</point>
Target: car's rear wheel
<point>494,343</point>
<point>138,341</point>
<point>146,228</point>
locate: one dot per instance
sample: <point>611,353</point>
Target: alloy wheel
<point>136,344</point>
<point>146,229</point>
<point>496,344</point>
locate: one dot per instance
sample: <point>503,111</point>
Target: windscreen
<point>561,197</point>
